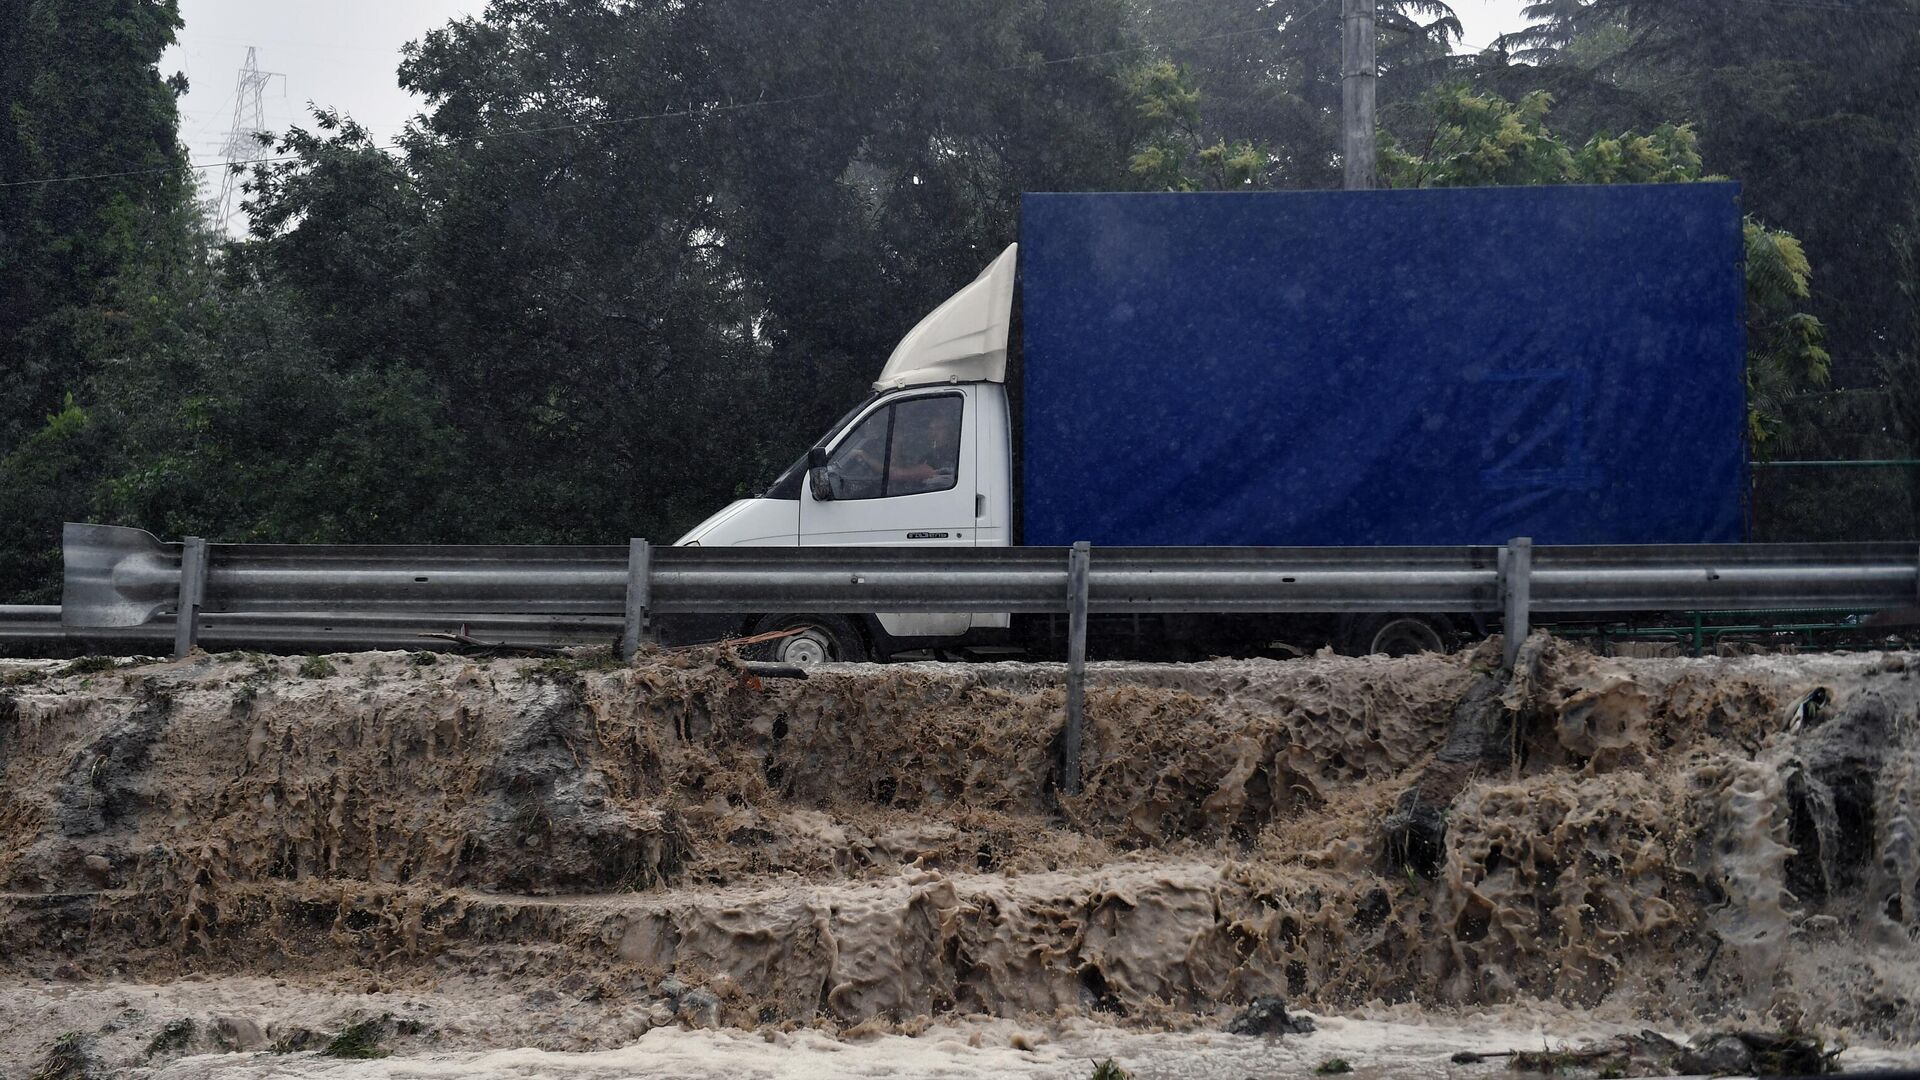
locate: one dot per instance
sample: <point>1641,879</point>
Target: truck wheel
<point>1396,635</point>
<point>822,639</point>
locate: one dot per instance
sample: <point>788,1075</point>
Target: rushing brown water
<point>1692,843</point>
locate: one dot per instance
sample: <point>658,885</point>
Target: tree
<point>1901,367</point>
<point>1785,346</point>
<point>1171,155</point>
<point>42,482</point>
<point>632,257</point>
<point>1270,73</point>
<point>642,254</point>
<point>1472,139</point>
<point>83,262</point>
<point>80,96</point>
<point>246,433</point>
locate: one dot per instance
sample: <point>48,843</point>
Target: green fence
<point>1710,633</point>
<point>1801,501</point>
<point>1841,467</point>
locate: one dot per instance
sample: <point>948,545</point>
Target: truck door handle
<point>979,505</point>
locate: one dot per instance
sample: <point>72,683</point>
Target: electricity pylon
<point>243,144</point>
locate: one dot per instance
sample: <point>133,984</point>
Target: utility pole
<point>1358,74</point>
<point>243,144</point>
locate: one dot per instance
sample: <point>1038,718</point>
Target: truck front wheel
<point>820,639</point>
<point>1396,635</point>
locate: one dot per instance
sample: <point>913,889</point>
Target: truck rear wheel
<point>821,639</point>
<point>1396,635</point>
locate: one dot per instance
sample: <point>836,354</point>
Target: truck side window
<point>925,455</point>
<point>908,448</point>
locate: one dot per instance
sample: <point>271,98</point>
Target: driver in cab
<point>924,454</point>
<point>923,458</point>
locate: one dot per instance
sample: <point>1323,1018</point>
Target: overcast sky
<point>342,54</point>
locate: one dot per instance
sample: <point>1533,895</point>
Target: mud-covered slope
<point>886,842</point>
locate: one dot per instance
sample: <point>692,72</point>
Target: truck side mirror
<point>817,475</point>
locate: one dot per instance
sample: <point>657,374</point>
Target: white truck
<point>1438,367</point>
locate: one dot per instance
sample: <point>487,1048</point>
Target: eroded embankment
<point>1668,836</point>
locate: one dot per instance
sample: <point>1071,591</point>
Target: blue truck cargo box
<point>1456,366</point>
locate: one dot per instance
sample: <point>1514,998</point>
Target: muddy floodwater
<point>248,866</point>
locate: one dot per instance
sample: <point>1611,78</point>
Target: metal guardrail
<point>125,585</point>
<point>38,627</point>
<point>30,623</point>
<point>1743,577</point>
<point>126,577</point>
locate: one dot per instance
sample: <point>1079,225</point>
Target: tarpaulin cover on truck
<point>1393,367</point>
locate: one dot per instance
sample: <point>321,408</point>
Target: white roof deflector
<point>964,340</point>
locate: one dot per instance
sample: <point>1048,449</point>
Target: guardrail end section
<point>115,576</point>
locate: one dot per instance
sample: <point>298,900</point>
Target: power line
<point>672,114</point>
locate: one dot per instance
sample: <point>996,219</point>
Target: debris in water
<point>1735,1053</point>
<point>1268,1016</point>
<point>359,1040</point>
<point>1479,742</point>
<point>1556,1061</point>
<point>172,1037</point>
<point>296,1040</point>
<point>69,1058</point>
<point>1755,1053</point>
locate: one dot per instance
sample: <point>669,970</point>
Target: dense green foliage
<point>633,255</point>
<point>80,96</point>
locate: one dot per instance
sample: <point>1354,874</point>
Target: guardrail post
<point>639,624</point>
<point>193,593</point>
<point>1077,561</point>
<point>1516,590</point>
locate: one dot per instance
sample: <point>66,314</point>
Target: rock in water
<point>700,1009</point>
<point>1717,1055</point>
<point>1268,1016</point>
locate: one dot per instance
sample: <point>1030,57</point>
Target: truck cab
<point>926,460</point>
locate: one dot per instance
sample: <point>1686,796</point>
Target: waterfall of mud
<point>1688,839</point>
